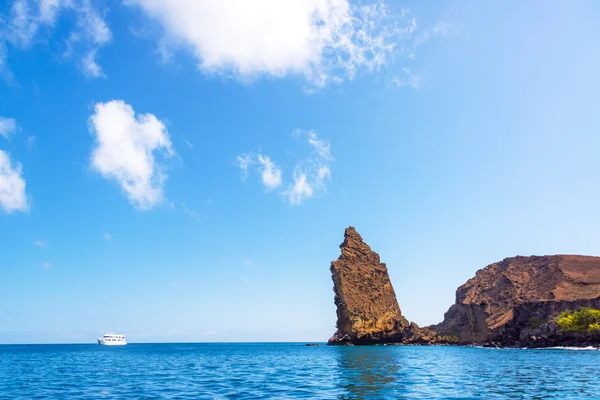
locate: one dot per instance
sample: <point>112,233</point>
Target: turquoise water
<point>290,370</point>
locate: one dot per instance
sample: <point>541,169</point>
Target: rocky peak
<point>367,308</point>
<point>355,249</point>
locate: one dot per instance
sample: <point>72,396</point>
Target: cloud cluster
<point>28,21</point>
<point>323,40</point>
<point>309,176</point>
<point>12,186</point>
<point>129,149</point>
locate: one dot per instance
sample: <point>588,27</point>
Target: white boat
<point>112,339</point>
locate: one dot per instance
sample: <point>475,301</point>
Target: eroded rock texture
<point>367,309</point>
<point>513,302</point>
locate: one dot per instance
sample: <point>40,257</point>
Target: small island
<point>536,301</point>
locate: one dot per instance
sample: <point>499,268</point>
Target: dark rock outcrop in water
<point>367,309</point>
<point>514,302</point>
<point>510,303</point>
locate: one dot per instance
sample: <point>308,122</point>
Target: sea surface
<point>292,370</point>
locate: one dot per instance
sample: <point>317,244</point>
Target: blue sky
<point>181,171</point>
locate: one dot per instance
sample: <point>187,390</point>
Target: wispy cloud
<point>46,265</point>
<point>129,150</point>
<point>90,66</point>
<point>41,243</point>
<point>270,173</point>
<point>243,162</point>
<point>8,126</point>
<point>189,144</point>
<point>322,147</point>
<point>190,212</point>
<point>28,22</point>
<point>250,270</point>
<point>107,236</point>
<point>441,28</point>
<point>406,78</point>
<point>30,143</point>
<point>13,196</point>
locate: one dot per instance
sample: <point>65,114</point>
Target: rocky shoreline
<point>512,303</point>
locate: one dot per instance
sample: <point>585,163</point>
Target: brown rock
<point>501,300</point>
<point>509,303</point>
<point>367,309</point>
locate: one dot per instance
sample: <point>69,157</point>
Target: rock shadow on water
<point>368,372</point>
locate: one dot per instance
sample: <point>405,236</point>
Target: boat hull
<point>103,343</point>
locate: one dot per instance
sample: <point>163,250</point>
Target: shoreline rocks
<point>514,302</point>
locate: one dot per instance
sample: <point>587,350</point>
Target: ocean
<point>292,370</point>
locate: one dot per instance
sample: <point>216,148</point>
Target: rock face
<point>509,303</point>
<point>367,309</point>
<point>513,302</point>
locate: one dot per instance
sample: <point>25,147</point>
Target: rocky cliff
<point>513,302</point>
<point>367,309</point>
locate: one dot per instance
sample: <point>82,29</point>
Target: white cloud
<point>190,212</point>
<point>92,33</point>
<point>46,265</point>
<point>323,173</point>
<point>406,78</point>
<point>189,144</point>
<point>307,183</point>
<point>30,142</point>
<point>8,126</point>
<point>441,28</point>
<point>90,67</point>
<point>126,151</point>
<point>29,21</point>
<point>322,147</point>
<point>300,190</point>
<point>244,161</point>
<point>12,186</point>
<point>107,236</point>
<point>271,173</point>
<point>41,243</point>
<point>323,40</point>
<point>311,174</point>
<point>5,73</point>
